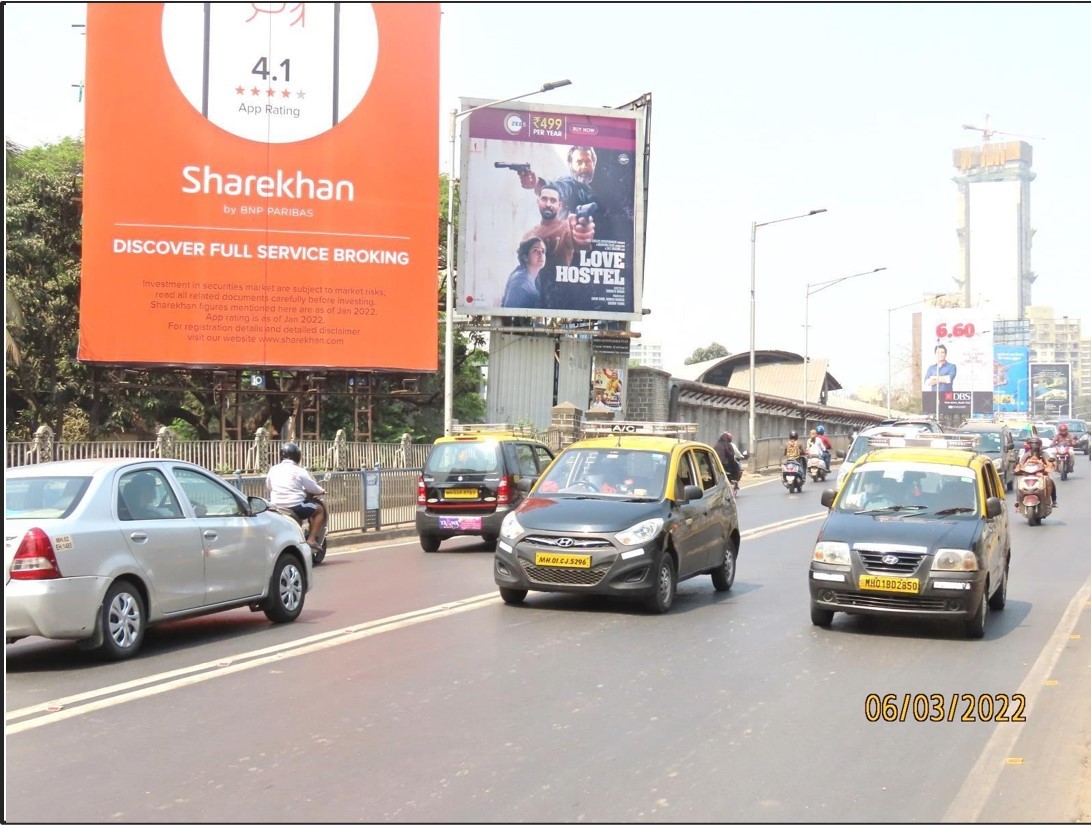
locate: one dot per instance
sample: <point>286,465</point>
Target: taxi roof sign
<point>943,441</point>
<point>673,429</point>
<point>490,429</point>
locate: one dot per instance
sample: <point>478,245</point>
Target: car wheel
<point>975,625</point>
<point>123,624</point>
<point>662,597</point>
<point>512,595</point>
<point>820,617</point>
<point>1000,597</point>
<point>286,590</point>
<point>429,543</point>
<point>724,575</point>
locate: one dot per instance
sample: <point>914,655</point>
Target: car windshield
<point>923,488</point>
<point>988,442</point>
<point>607,472</point>
<point>1046,431</point>
<point>43,496</point>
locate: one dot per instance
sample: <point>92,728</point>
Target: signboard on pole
<point>957,344</point>
<point>552,216</point>
<point>1051,390</point>
<point>260,185</point>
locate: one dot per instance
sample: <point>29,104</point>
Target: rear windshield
<point>464,457</point>
<point>43,496</point>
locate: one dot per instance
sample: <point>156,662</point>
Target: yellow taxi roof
<point>924,455</point>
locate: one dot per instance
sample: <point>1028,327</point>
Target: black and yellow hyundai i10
<point>629,511</point>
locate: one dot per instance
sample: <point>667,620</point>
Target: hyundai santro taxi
<point>630,511</point>
<point>919,530</point>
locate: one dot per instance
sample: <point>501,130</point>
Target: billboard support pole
<point>449,328</point>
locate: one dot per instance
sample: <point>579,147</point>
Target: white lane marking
<point>139,688</point>
<point>979,784</point>
<point>170,680</point>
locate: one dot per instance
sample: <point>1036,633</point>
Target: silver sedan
<point>98,550</point>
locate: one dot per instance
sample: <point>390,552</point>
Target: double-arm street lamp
<point>811,290</point>
<point>753,257</point>
<point>449,329</point>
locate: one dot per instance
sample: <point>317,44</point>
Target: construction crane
<point>987,133</point>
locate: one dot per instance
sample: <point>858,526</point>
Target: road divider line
<point>59,709</point>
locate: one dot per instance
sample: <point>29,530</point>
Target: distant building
<point>646,353</point>
<point>1056,340</point>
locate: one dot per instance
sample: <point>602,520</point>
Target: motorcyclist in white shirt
<point>288,485</point>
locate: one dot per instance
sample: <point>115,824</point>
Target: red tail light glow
<point>35,558</point>
<point>421,497</point>
<point>503,491</point>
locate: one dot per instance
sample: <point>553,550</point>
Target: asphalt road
<point>407,691</point>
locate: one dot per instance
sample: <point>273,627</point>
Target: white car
<point>98,550</point>
<point>860,445</point>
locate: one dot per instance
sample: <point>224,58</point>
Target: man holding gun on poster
<point>561,235</point>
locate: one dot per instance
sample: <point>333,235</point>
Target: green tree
<point>713,350</point>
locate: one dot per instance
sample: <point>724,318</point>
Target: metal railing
<point>346,500</point>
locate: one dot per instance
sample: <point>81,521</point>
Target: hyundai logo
<point>565,542</point>
<point>890,560</point>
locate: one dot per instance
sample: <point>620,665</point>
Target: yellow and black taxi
<point>470,481</point>
<point>630,510</point>
<point>916,530</point>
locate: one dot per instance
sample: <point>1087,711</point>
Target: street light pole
<point>811,290</point>
<point>449,328</point>
<point>753,257</point>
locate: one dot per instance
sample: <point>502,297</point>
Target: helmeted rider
<point>1034,453</point>
<point>793,450</point>
<point>288,485</point>
<point>827,447</point>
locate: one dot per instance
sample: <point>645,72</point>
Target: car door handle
<point>138,536</point>
<point>210,534</point>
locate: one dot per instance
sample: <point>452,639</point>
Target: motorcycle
<point>1065,461</point>
<point>816,468</point>
<point>1032,497</point>
<point>792,474</point>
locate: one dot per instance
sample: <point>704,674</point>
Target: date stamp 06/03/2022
<point>945,707</point>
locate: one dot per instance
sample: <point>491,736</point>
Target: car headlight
<point>510,528</point>
<point>954,560</point>
<point>831,552</point>
<point>640,533</point>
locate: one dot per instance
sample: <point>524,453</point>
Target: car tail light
<point>422,498</point>
<point>503,491</point>
<point>35,558</point>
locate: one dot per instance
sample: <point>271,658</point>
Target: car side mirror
<point>692,492</point>
<point>993,507</point>
<point>827,498</point>
<point>257,504</point>
<point>524,483</point>
<point>839,453</point>
<point>746,454</point>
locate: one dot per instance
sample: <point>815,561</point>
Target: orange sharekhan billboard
<point>260,185</point>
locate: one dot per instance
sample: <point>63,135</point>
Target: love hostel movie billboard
<point>1051,390</point>
<point>957,349</point>
<point>260,185</point>
<point>552,215</point>
<point>1011,378</point>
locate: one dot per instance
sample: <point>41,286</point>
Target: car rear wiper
<point>893,508</point>
<point>950,511</point>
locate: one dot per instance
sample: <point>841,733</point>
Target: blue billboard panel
<point>1011,378</point>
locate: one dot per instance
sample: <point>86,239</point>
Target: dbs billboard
<point>260,185</point>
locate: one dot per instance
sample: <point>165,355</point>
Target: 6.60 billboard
<point>241,206</point>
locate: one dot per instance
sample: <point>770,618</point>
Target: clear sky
<point>759,112</point>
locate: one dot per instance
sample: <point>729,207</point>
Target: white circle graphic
<point>272,72</point>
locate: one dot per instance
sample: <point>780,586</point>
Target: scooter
<point>1032,497</point>
<point>1065,462</point>
<point>816,468</point>
<point>792,474</point>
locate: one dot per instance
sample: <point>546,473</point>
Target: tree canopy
<point>713,350</point>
